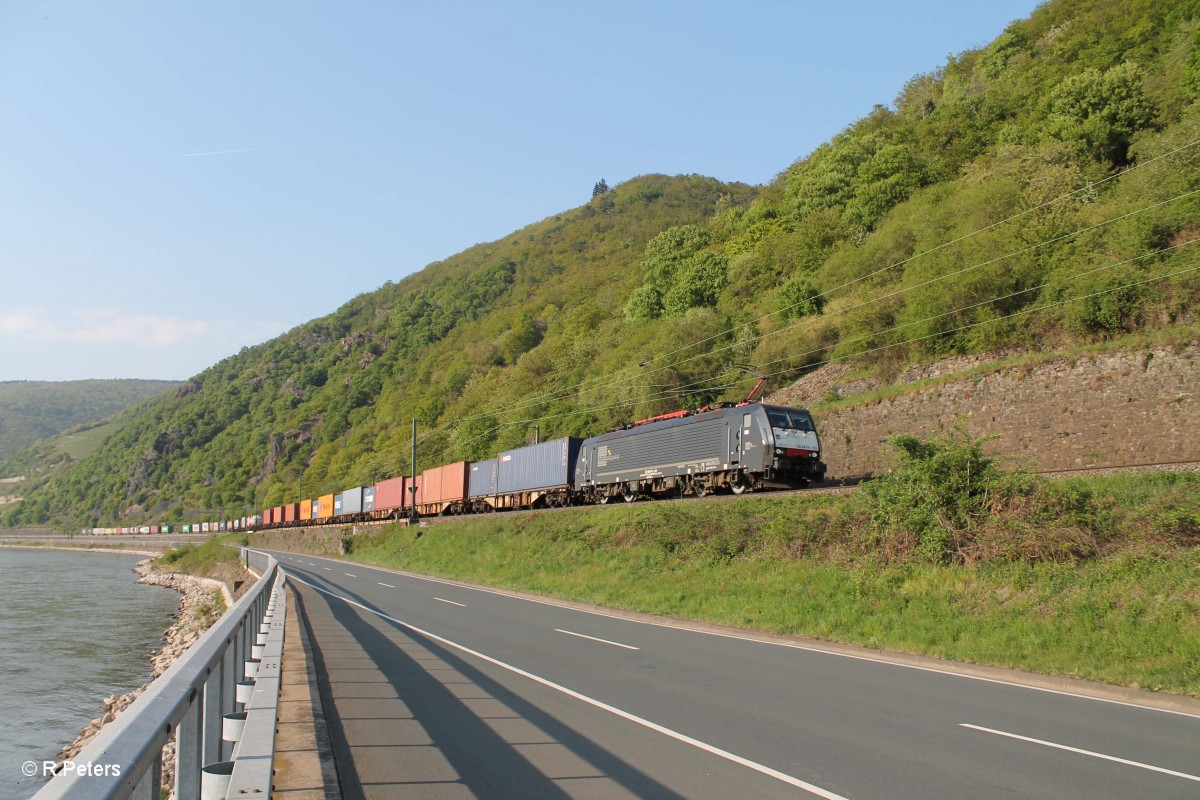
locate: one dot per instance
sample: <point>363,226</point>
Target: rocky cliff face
<point>1122,408</point>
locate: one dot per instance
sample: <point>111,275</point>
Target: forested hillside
<point>32,410</point>
<point>1035,193</point>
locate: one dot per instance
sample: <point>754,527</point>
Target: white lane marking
<point>1091,753</point>
<point>596,639</point>
<point>451,602</point>
<point>682,737</point>
<point>327,569</point>
<point>348,575</point>
<point>381,583</point>
<point>792,645</point>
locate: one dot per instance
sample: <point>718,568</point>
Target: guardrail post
<point>213,713</point>
<point>189,749</point>
<point>149,787</point>
<point>228,687</point>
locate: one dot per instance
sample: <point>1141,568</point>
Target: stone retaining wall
<point>1111,409</point>
<point>318,540</point>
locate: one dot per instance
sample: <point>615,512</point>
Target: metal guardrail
<point>234,664</point>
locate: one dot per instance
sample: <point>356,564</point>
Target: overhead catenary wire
<point>988,301</point>
<point>994,320</point>
<point>400,446</point>
<point>560,394</point>
<point>1091,186</point>
<point>564,393</point>
<point>698,387</point>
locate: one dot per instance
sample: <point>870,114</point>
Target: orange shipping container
<point>444,484</point>
<point>325,506</point>
<point>306,509</point>
<point>430,486</point>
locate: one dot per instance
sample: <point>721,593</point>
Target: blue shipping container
<point>368,498</point>
<point>483,479</point>
<point>540,466</point>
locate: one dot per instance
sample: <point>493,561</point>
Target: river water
<point>74,628</point>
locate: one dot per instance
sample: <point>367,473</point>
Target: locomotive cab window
<point>790,420</point>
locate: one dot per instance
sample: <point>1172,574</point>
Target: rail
<point>220,751</point>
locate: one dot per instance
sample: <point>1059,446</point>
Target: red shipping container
<point>325,506</point>
<point>389,494</point>
<point>266,516</point>
<point>290,511</point>
<point>305,509</point>
<point>393,493</point>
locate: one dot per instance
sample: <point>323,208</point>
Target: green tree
<point>523,336</point>
<point>799,298</point>
<point>680,273</point>
<point>645,303</point>
<point>1101,111</point>
<point>695,283</point>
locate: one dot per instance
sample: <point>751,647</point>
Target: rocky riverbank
<point>202,601</point>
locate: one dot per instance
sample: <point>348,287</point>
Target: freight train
<point>735,448</point>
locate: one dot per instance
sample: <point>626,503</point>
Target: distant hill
<point>1040,192</point>
<point>32,410</point>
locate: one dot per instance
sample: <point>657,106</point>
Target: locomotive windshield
<point>790,419</point>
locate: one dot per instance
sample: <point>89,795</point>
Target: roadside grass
<point>1127,615</point>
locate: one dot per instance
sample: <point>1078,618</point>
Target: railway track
<point>841,486</point>
<point>850,484</point>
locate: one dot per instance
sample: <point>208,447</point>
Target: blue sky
<point>180,180</point>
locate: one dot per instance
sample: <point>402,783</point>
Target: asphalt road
<point>438,690</point>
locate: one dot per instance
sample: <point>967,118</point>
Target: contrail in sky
<point>223,152</point>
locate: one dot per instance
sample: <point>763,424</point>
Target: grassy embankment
<point>212,559</point>
<point>1097,578</point>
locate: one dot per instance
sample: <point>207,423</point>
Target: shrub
<point>942,495</point>
<point>799,298</point>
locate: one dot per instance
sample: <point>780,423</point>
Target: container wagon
<point>443,490</point>
<point>393,498</point>
<point>537,475</point>
<point>481,486</point>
